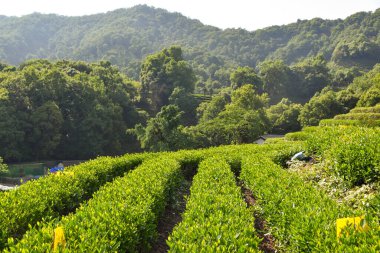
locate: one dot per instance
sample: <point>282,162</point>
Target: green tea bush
<point>358,116</point>
<point>374,109</point>
<point>296,136</point>
<point>352,153</point>
<point>301,217</point>
<point>349,122</point>
<point>336,122</point>
<point>320,140</point>
<point>355,155</point>
<point>57,194</point>
<point>216,217</point>
<point>121,217</point>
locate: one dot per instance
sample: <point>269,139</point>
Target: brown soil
<point>170,218</point>
<point>267,244</point>
<point>173,211</point>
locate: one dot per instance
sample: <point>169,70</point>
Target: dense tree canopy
<point>161,73</point>
<point>74,109</point>
<point>242,120</point>
<point>278,79</point>
<point>322,105</point>
<point>126,36</point>
<point>284,117</point>
<point>65,109</point>
<point>162,132</point>
<point>246,75</point>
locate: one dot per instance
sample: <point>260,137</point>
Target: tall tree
<point>240,121</point>
<point>246,75</point>
<point>161,73</point>
<point>284,117</point>
<point>162,132</point>
<point>46,134</point>
<point>313,74</point>
<point>186,103</point>
<point>322,105</point>
<point>277,77</point>
<point>65,110</point>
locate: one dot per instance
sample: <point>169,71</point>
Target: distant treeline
<point>126,36</point>
<point>79,110</point>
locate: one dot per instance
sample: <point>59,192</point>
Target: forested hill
<point>126,36</point>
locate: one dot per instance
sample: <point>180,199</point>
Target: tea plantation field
<point>242,198</point>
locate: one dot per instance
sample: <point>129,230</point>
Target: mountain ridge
<point>126,36</point>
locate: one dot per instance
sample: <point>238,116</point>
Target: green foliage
<point>357,51</point>
<point>366,81</point>
<point>247,98</point>
<point>209,110</point>
<point>125,37</point>
<point>163,132</point>
<point>161,73</point>
<point>374,109</point>
<point>296,136</point>
<point>277,78</point>
<point>288,210</point>
<point>65,110</point>
<point>355,155</point>
<point>216,216</point>
<point>358,116</point>
<point>351,152</point>
<point>122,215</point>
<point>367,87</point>
<point>241,121</point>
<point>341,76</point>
<point>57,194</point>
<point>314,75</point>
<point>321,106</point>
<point>186,103</point>
<point>371,97</point>
<point>246,75</point>
<point>349,122</point>
<point>3,167</point>
<point>284,116</point>
<point>348,98</point>
<point>47,123</point>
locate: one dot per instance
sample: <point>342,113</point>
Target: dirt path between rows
<point>173,211</point>
<point>267,244</point>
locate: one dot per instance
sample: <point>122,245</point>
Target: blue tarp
<point>56,169</point>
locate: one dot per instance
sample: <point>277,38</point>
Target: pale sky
<point>248,14</point>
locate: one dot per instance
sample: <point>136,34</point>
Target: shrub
<point>358,116</point>
<point>57,194</point>
<point>122,216</point>
<point>216,216</point>
<point>301,217</point>
<point>355,155</point>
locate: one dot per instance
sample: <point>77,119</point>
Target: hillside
<point>126,36</point>
<point>237,198</point>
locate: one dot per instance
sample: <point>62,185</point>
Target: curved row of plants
<point>302,218</point>
<point>349,122</point>
<point>57,194</point>
<point>121,216</point>
<point>77,183</point>
<point>352,153</point>
<point>358,116</point>
<point>374,109</point>
<point>349,152</point>
<point>216,217</point>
